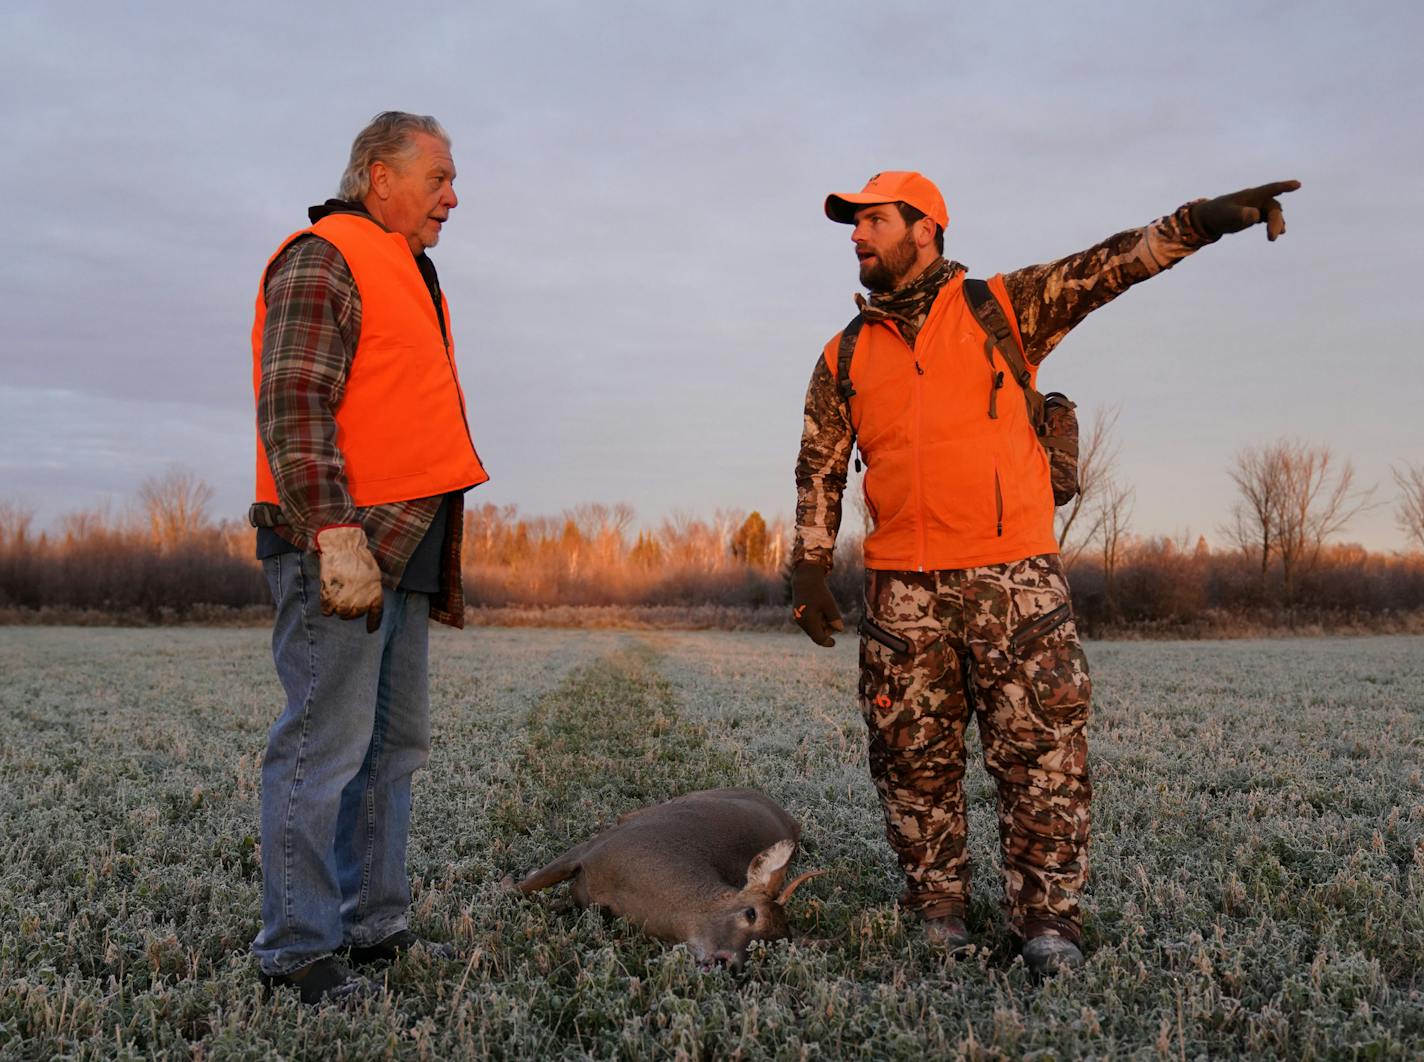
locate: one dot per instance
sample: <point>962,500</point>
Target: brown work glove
<point>812,604</point>
<point>350,579</point>
<point>1240,210</point>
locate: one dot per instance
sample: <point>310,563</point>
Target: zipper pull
<point>857,463</point>
<point>918,369</point>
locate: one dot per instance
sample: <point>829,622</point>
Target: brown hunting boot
<point>396,945</point>
<point>324,981</point>
<point>1048,954</point>
<point>950,933</point>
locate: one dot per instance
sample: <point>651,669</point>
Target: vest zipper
<point>919,442</point>
<point>998,504</point>
<point>437,302</point>
<point>459,394</point>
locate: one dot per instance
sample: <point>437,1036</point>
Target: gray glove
<point>1240,210</point>
<point>350,578</point>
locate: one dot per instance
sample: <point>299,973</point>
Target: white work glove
<point>350,579</point>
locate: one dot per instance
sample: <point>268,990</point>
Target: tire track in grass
<point>608,739</point>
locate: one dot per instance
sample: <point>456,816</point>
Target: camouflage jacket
<point>1048,300</point>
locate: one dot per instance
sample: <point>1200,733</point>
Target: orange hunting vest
<point>400,422</point>
<point>946,485</point>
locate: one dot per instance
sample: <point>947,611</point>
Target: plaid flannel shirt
<point>1048,300</point>
<point>308,340</point>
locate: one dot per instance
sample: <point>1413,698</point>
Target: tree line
<point>1282,558</point>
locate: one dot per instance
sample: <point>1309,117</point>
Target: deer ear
<point>767,870</point>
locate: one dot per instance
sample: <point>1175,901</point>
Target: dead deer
<point>705,869</point>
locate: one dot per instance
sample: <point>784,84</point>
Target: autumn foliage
<point>589,556</point>
<point>165,559</point>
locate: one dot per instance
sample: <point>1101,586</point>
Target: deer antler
<point>795,883</point>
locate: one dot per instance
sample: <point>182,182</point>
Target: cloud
<point>639,272</point>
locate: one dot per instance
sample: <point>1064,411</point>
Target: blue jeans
<point>336,777</point>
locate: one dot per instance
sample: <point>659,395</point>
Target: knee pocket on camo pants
<point>1048,659</point>
<point>902,708</point>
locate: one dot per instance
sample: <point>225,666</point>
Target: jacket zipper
<point>464,414</point>
<point>919,442</point>
<point>459,392</point>
<point>437,304</point>
<point>998,504</point>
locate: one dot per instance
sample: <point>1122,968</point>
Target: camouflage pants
<point>997,642</point>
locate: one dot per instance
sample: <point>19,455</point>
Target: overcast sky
<point>640,274</point>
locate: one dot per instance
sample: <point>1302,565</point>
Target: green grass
<point>1257,889</point>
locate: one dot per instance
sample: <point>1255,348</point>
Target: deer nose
<point>720,959</point>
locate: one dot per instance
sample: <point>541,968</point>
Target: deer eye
<point>750,915</point>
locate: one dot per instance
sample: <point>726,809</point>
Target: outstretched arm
<point>1050,299</point>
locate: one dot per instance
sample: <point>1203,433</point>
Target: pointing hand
<point>1240,210</point>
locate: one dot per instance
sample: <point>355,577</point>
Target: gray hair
<point>388,138</point>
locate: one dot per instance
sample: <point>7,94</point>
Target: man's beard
<point>890,268</point>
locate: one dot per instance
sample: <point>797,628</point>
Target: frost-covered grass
<point>1258,856</point>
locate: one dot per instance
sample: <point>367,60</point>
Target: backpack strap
<point>990,315</point>
<point>844,353</point>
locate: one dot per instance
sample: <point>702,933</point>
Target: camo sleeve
<point>1050,299</point>
<point>826,440</point>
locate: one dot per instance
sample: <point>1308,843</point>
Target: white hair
<point>388,138</point>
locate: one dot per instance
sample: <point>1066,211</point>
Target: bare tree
<point>1410,511</point>
<point>1294,498</point>
<point>603,527</point>
<point>596,519</point>
<point>1320,498</point>
<point>1097,461</point>
<point>1114,505</point>
<point>176,504</point>
<point>1260,476</point>
<point>15,524</point>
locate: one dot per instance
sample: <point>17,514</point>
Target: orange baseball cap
<point>890,186</point>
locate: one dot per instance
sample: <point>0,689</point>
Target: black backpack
<point>1053,416</point>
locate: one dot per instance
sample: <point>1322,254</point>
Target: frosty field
<point>1257,885</point>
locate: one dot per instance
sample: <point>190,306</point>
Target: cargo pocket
<point>1052,667</point>
<point>886,678</point>
<point>1040,627</point>
<point>911,705</point>
<point>897,645</point>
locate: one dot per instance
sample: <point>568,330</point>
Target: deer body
<point>704,869</point>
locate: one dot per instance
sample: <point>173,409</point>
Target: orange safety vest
<point>946,485</point>
<point>400,423</point>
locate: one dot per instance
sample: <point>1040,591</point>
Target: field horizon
<point>1257,873</point>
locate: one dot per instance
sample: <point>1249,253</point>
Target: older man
<point>364,455</point>
<point>968,611</point>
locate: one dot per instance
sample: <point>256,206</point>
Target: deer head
<point>756,912</point>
